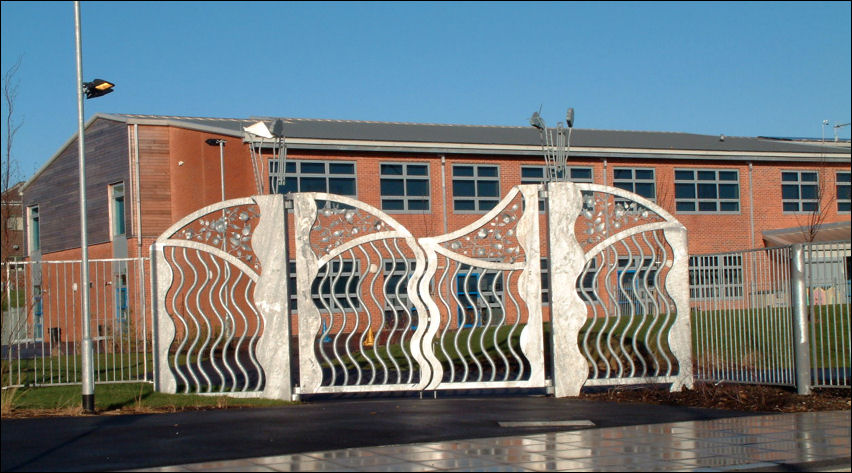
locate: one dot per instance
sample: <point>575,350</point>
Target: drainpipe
<point>140,265</point>
<point>751,203</point>
<point>604,171</point>
<point>444,189</point>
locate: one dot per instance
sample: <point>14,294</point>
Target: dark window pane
<point>487,171</point>
<point>343,186</point>
<point>707,206</point>
<point>392,169</point>
<point>290,167</point>
<point>628,186</point>
<point>790,192</point>
<point>809,192</point>
<point>707,191</point>
<point>462,170</point>
<point>686,206</point>
<point>809,206</point>
<point>706,175</point>
<point>313,184</point>
<point>843,206</point>
<point>392,204</point>
<point>844,177</point>
<point>645,189</point>
<point>487,204</point>
<point>313,168</point>
<point>727,175</point>
<point>415,187</point>
<point>418,170</point>
<point>392,187</point>
<point>644,174</point>
<point>622,174</point>
<point>729,206</point>
<point>684,175</point>
<point>843,192</point>
<point>339,168</point>
<point>532,173</point>
<point>418,204</point>
<point>809,176</point>
<point>789,176</point>
<point>487,188</point>
<point>729,191</point>
<point>464,205</point>
<point>791,206</point>
<point>581,174</point>
<point>463,188</point>
<point>684,191</point>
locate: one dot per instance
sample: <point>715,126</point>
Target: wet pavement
<point>408,434</point>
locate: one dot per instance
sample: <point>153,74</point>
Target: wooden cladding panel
<point>154,150</point>
<point>56,190</point>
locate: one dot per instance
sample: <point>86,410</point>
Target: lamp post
<point>92,89</point>
<point>221,144</point>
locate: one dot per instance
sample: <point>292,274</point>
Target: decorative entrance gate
<point>378,309</point>
<point>381,310</point>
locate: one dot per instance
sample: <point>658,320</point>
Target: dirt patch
<point>740,397</point>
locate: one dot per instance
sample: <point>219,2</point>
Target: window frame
<point>476,199</point>
<point>113,218</point>
<point>716,277</point>
<point>633,180</point>
<point>405,177</point>
<point>33,230</point>
<point>695,181</point>
<point>799,184</point>
<point>837,185</point>
<point>299,175</point>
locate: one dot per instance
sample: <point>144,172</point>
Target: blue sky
<point>742,69</point>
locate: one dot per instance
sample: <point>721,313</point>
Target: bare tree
<point>9,167</point>
<point>812,221</point>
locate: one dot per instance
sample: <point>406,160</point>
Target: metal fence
<point>773,316</point>
<point>42,322</point>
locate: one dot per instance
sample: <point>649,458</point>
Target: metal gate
<point>627,322</point>
<point>381,310</point>
<point>378,309</point>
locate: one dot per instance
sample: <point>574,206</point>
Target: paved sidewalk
<point>813,441</point>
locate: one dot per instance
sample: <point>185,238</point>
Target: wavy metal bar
<point>196,327</point>
<point>230,327</point>
<point>362,342</point>
<point>510,338</point>
<point>208,331</point>
<point>392,303</point>
<point>482,348</point>
<point>381,328</point>
<point>653,305</point>
<point>217,281</point>
<point>444,283</point>
<point>242,337</point>
<point>355,365</point>
<point>335,307</point>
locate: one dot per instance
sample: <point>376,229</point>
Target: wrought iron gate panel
<point>368,338</point>
<point>221,306</point>
<point>630,313</point>
<point>386,331</point>
<point>502,250</point>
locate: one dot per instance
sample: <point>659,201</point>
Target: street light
<point>221,144</point>
<point>96,88</point>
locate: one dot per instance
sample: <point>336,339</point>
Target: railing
<point>776,316</point>
<point>42,322</point>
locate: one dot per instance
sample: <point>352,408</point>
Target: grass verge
<point>130,398</point>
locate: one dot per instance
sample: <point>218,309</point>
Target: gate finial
<point>555,143</point>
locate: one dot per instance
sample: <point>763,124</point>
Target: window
<point>334,177</point>
<point>545,281</point>
<point>637,180</point>
<point>38,314</point>
<point>536,175</point>
<point>405,187</point>
<point>480,294</point>
<point>34,237</point>
<point>116,212</point>
<point>706,191</point>
<point>843,185</point>
<point>800,191</point>
<point>715,277</point>
<point>397,274</point>
<point>476,187</point>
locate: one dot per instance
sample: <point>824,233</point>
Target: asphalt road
<point>104,442</point>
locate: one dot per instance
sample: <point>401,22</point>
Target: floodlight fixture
<point>97,88</point>
<point>537,121</point>
<point>569,118</point>
<point>278,128</point>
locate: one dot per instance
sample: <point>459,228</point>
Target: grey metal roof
<point>317,129</point>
